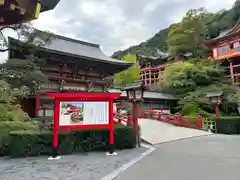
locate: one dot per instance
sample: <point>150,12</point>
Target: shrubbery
<point>7,126</point>
<point>228,125</point>
<point>32,143</point>
<point>9,112</point>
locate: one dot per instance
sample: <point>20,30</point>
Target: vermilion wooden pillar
<point>56,127</point>
<point>111,129</point>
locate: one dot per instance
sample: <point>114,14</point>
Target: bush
<point>11,112</point>
<point>228,125</point>
<point>7,126</point>
<point>33,143</point>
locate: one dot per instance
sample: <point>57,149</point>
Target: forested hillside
<point>217,22</point>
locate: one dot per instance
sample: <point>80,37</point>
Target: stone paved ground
<point>214,157</point>
<point>156,132</point>
<point>93,166</point>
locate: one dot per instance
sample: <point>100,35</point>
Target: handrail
<point>179,120</point>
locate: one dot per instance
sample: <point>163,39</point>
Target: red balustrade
<point>178,120</point>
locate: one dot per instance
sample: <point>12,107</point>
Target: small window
<point>156,106</point>
<point>146,105</point>
<point>165,106</point>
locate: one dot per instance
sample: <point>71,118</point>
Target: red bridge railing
<point>178,120</point>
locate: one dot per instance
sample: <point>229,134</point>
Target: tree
<point>19,72</point>
<point>188,35</point>
<point>24,72</point>
<point>130,75</point>
<point>26,33</point>
<point>190,81</point>
<point>18,77</point>
<point>9,109</point>
<point>183,77</point>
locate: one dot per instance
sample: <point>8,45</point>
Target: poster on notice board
<point>83,113</point>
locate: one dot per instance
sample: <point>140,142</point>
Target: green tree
<point>130,75</point>
<point>22,72</point>
<point>190,33</point>
<point>190,81</point>
<point>18,76</point>
<point>25,72</point>
<point>183,77</point>
<point>9,109</point>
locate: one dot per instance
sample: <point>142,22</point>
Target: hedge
<point>228,125</point>
<point>7,126</point>
<point>34,143</point>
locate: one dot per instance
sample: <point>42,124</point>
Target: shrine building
<point>71,66</point>
<point>151,68</point>
<point>226,49</point>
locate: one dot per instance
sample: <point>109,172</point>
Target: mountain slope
<point>148,47</point>
<point>224,19</point>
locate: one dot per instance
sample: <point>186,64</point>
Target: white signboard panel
<point>83,113</point>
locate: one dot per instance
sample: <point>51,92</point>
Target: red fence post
<point>159,115</point>
<point>199,123</point>
<point>180,118</point>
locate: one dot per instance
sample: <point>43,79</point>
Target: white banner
<point>83,113</point>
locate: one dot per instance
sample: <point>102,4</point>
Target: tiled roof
<point>227,32</point>
<point>48,4</point>
<point>148,95</point>
<point>77,49</point>
<point>214,94</point>
<point>134,85</point>
<point>80,48</point>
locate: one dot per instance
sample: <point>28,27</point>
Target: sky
<point>117,24</point>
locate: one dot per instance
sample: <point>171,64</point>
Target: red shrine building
<point>70,66</point>
<point>151,68</point>
<point>226,49</point>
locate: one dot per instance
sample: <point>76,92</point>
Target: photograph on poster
<point>83,113</point>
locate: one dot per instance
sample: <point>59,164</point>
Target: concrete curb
<point>180,139</point>
<point>123,168</point>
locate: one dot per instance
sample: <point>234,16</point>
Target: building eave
<point>148,95</point>
<point>48,4</point>
<point>228,56</point>
<point>226,34</point>
<point>104,59</point>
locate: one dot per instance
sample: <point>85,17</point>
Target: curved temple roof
<point>48,4</point>
<point>226,33</point>
<point>81,49</point>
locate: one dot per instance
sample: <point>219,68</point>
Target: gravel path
<point>93,166</point>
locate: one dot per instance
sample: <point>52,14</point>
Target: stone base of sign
<point>111,154</point>
<point>55,158</point>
